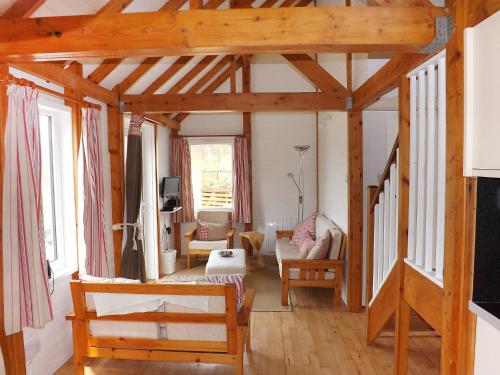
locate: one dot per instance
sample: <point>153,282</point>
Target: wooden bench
<point>224,352</point>
<point>311,272</point>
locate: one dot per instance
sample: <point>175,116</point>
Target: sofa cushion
<point>320,247</point>
<point>306,247</point>
<point>208,245</point>
<point>212,231</point>
<point>286,251</point>
<point>323,224</point>
<point>304,230</point>
<point>214,216</point>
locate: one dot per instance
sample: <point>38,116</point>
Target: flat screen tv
<point>170,186</point>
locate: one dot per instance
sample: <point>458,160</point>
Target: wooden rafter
<point>318,75</point>
<point>162,120</point>
<point>386,79</point>
<point>189,76</point>
<point>167,74</point>
<point>233,31</point>
<point>400,3</point>
<point>239,102</point>
<point>23,8</point>
<point>117,6</point>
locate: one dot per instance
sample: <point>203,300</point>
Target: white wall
<point>163,167</point>
<point>487,360</point>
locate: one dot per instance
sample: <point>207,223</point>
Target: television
<point>170,186</point>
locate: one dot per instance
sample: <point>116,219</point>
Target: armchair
<point>196,247</point>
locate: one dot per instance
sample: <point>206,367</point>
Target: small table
<point>218,265</point>
<point>253,241</point>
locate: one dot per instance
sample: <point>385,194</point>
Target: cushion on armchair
<point>207,231</point>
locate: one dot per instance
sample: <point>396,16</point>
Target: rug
<point>265,280</point>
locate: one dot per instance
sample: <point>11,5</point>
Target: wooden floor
<point>313,339</point>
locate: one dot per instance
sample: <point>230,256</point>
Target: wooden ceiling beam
<point>239,102</point>
<point>386,79</point>
<point>315,73</point>
<point>226,31</point>
<point>23,9</point>
<point>400,3</point>
<point>114,6</point>
<point>67,78</point>
<point>162,120</point>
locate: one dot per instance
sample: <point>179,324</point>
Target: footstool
<point>218,265</point>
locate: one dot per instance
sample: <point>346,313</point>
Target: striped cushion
<point>304,230</point>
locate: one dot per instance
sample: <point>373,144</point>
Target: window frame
<point>63,187</point>
<point>195,141</point>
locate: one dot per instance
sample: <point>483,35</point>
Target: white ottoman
<point>218,265</point>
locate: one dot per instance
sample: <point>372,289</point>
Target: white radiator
<point>269,228</point>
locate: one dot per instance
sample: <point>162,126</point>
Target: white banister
<point>441,167</point>
<point>393,208</point>
<point>376,248</point>
<point>430,210</point>
<point>412,208</point>
<point>387,226</point>
<point>380,260</point>
<point>421,173</point>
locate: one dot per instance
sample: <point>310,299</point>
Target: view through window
<point>212,175</point>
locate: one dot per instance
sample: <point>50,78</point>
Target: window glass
<point>212,175</point>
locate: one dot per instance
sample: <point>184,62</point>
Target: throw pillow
<point>215,231</point>
<point>306,247</point>
<point>320,247</point>
<point>304,230</point>
<point>202,231</point>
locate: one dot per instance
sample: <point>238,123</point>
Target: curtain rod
<point>24,82</point>
<point>209,136</point>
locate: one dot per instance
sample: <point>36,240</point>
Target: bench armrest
<point>284,234</point>
<point>246,308</point>
<point>190,235</point>
<point>70,316</point>
<point>230,234</point>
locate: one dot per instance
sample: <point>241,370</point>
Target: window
<point>212,173</point>
<point>58,189</point>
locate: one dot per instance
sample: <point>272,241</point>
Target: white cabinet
<point>482,99</point>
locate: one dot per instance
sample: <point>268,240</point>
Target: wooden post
<point>402,307</point>
<point>355,208</point>
<point>12,345</point>
<point>115,147</point>
<point>369,246</point>
<point>247,131</point>
<point>177,226</point>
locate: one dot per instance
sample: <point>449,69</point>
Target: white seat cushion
<point>208,245</point>
<point>218,265</point>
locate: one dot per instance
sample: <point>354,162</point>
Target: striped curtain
<point>241,182</point>
<point>94,229</point>
<point>26,293</point>
<point>181,166</point>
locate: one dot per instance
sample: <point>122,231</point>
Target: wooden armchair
<point>311,273</point>
<point>196,247</point>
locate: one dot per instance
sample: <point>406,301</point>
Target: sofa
<point>312,273</point>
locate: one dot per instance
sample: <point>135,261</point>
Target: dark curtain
<point>133,265</point>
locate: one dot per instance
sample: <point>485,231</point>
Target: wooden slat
<point>382,308</point>
<point>189,76</point>
<point>385,79</point>
<point>355,212</point>
<point>138,72</point>
<point>65,78</point>
<point>195,4</point>
<point>318,75</point>
<point>424,296</point>
<point>231,319</point>
<point>161,317</point>
<point>174,289</point>
<point>240,102</point>
<point>369,246</point>
<point>237,31</point>
<point>152,344</point>
<point>23,9</point>
<point>167,74</point>
<point>103,70</point>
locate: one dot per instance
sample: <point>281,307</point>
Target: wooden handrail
<point>385,175</point>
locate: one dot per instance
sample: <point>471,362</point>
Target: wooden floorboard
<point>313,339</point>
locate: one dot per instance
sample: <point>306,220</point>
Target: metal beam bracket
<point>348,103</point>
<point>122,106</point>
<point>444,28</point>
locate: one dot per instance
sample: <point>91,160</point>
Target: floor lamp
<point>301,149</point>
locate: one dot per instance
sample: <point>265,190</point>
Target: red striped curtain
<point>94,229</point>
<point>241,182</point>
<point>26,293</point>
<point>181,166</point>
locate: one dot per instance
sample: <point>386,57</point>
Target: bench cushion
<point>323,225</point>
<point>208,245</point>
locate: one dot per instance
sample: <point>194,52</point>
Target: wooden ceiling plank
<point>386,79</point>
<point>237,31</point>
<point>23,9</point>
<point>318,75</point>
<point>239,102</point>
<point>167,74</point>
<point>103,70</point>
<point>189,76</point>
